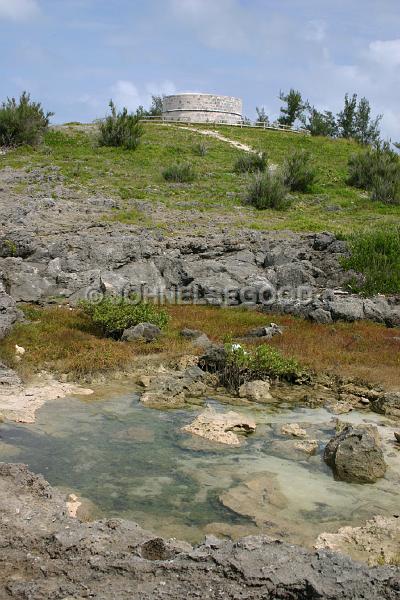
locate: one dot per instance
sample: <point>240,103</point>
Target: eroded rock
<point>355,454</point>
<point>257,391</point>
<point>225,428</point>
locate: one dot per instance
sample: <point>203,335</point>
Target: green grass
<point>217,190</point>
<point>376,254</point>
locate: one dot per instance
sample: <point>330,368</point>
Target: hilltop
<point>215,197</point>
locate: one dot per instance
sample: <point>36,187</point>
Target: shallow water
<point>134,462</point>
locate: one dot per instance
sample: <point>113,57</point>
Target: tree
<point>366,129</point>
<point>294,107</point>
<point>320,123</point>
<point>347,117</point>
<point>156,107</point>
<point>355,121</point>
<point>262,116</point>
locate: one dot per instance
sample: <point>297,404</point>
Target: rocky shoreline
<point>47,554</point>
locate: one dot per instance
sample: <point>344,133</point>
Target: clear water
<point>134,462</point>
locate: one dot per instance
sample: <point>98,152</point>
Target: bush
<point>378,171</point>
<point>268,190</point>
<point>376,255</point>
<point>120,129</point>
<point>262,363</point>
<point>22,122</point>
<point>251,162</point>
<point>200,149</point>
<point>298,173</point>
<point>113,315</point>
<point>179,173</point>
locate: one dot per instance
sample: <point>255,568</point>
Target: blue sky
<point>74,55</point>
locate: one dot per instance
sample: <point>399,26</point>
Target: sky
<point>75,55</point>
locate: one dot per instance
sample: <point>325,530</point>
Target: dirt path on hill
<point>220,137</point>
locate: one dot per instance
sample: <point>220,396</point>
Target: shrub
<point>263,362</point>
<point>22,122</point>
<point>298,173</point>
<point>268,190</point>
<point>113,315</point>
<point>251,162</point>
<point>378,171</point>
<point>179,173</point>
<point>120,129</point>
<point>200,149</point>
<point>376,255</point>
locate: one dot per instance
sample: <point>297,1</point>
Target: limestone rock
<point>307,446</point>
<point>142,331</point>
<point>267,332</point>
<point>293,429</point>
<point>355,455</point>
<point>257,390</point>
<point>375,542</point>
<point>258,498</point>
<point>388,404</point>
<point>224,428</point>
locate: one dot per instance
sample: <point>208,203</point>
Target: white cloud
<point>18,10</point>
<point>126,93</point>
<point>385,53</point>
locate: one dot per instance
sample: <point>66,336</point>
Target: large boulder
<point>355,454</point>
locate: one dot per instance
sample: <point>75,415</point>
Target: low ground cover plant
<point>179,173</point>
<point>375,253</point>
<point>22,122</point>
<point>120,129</point>
<point>113,315</point>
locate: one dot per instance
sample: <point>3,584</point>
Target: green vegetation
<point>378,171</point>
<point>120,129</point>
<point>331,204</point>
<point>251,162</point>
<point>292,108</point>
<point>376,254</point>
<point>200,149</point>
<point>298,172</point>
<point>179,173</point>
<point>113,315</point>
<point>268,190</point>
<point>263,362</point>
<point>22,122</point>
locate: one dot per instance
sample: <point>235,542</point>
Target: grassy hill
<point>217,192</point>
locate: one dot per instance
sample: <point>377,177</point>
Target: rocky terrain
<point>65,248</point>
<point>57,245</point>
<point>48,555</point>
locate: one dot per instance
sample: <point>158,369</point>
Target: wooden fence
<point>241,124</point>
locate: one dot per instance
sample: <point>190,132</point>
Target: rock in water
<point>355,455</point>
<point>221,427</point>
<point>258,391</point>
<point>258,498</point>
